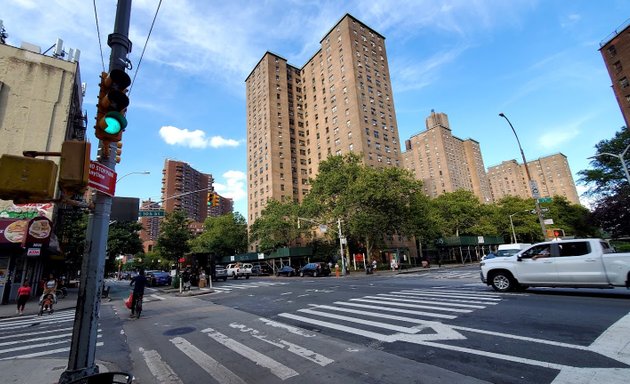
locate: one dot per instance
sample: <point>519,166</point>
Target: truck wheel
<point>246,277</point>
<point>315,274</point>
<point>235,276</point>
<point>225,278</point>
<point>301,274</point>
<point>503,282</point>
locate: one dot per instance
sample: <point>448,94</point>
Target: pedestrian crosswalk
<point>443,274</point>
<point>34,336</point>
<point>232,286</point>
<point>292,345</point>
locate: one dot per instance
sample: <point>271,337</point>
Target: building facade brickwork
<point>615,51</point>
<point>340,101</point>
<point>445,163</point>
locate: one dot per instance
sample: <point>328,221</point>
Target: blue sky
<point>537,61</point>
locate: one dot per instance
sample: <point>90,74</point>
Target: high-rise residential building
<point>551,173</point>
<point>615,50</point>
<point>340,101</point>
<point>150,225</point>
<point>445,163</point>
<point>185,188</point>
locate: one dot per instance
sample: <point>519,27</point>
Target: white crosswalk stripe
<point>406,312</point>
<point>285,358</point>
<point>441,275</point>
<point>35,336</point>
<point>229,287</point>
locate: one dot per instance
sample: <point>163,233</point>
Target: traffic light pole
<point>81,362</point>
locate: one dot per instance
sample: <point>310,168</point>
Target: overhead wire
<point>133,81</point>
<point>98,33</point>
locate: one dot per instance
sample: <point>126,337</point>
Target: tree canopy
<point>223,236</point>
<point>172,242</point>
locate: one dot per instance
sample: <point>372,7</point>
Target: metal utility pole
<point>344,271</point>
<point>532,183</point>
<point>81,362</point>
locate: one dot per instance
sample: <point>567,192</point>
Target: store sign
<point>33,252</point>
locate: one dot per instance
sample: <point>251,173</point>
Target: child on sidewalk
<point>24,293</point>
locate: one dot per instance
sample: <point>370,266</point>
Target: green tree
<point>526,224</point>
<point>607,175</point>
<point>277,225</point>
<point>608,186</point>
<point>123,239</point>
<point>173,240</point>
<point>574,219</point>
<point>72,234</point>
<point>458,213</point>
<point>223,236</point>
<point>371,202</point>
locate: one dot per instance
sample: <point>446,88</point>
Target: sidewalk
<point>32,306</point>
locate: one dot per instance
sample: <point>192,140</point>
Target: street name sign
<point>151,213</point>
<point>545,200</point>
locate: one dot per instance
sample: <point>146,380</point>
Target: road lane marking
<point>614,342</point>
<point>455,295</point>
<point>160,370</point>
<point>398,310</point>
<point>41,338</point>
<point>215,369</point>
<point>370,323</point>
<point>44,353</point>
<point>280,343</point>
<point>158,297</point>
<point>457,291</point>
<point>416,300</point>
<point>412,320</point>
<point>381,302</point>
<point>281,371</point>
<point>290,328</point>
<point>42,332</point>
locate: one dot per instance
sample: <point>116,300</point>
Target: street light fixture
<point>620,157</point>
<point>323,228</point>
<point>532,183</point>
<point>132,173</point>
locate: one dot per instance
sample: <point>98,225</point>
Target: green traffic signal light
<point>114,123</point>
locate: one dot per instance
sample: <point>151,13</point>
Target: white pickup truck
<point>236,270</point>
<point>565,263</point>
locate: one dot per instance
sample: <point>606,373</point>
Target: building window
<point>624,82</point>
<point>612,51</point>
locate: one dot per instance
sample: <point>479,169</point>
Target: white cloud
<point>557,137</point>
<point>193,139</point>
<point>234,185</point>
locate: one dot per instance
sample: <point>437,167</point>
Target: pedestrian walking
<point>24,293</point>
<point>186,279</point>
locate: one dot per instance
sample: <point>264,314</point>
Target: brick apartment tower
<point>615,50</point>
<point>446,163</point>
<point>179,179</point>
<point>150,225</point>
<point>340,101</point>
<point>551,173</point>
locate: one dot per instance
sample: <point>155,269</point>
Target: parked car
<point>261,270</point>
<point>315,269</point>
<point>220,273</point>
<point>157,278</point>
<point>286,271</point>
<point>246,270</point>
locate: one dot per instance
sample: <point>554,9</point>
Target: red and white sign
<point>102,178</point>
<point>33,252</point>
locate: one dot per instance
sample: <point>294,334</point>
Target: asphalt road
<point>436,326</point>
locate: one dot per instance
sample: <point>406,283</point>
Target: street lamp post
<point>132,173</point>
<point>341,239</point>
<point>532,183</point>
<point>620,157</point>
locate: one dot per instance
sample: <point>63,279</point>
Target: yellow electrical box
<point>74,166</point>
<point>27,180</point>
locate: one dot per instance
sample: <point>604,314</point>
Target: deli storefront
<point>23,248</point>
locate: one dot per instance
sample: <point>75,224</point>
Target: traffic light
<point>215,200</point>
<point>74,166</point>
<point>209,200</point>
<point>118,151</point>
<point>27,180</point>
<point>112,105</point>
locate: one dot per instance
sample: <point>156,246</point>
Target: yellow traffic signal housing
<point>216,199</point>
<point>27,180</point>
<point>74,167</point>
<point>209,199</point>
<point>112,105</point>
<point>118,151</point>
